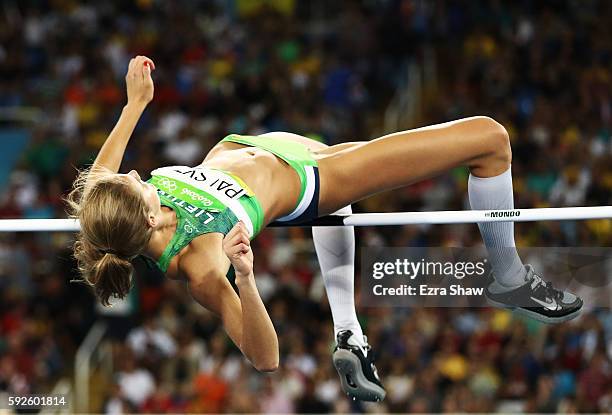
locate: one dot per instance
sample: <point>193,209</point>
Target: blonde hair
<point>114,230</point>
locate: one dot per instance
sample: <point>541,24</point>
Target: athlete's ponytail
<point>114,230</point>
<point>108,274</point>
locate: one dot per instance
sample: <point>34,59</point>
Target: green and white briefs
<point>210,200</point>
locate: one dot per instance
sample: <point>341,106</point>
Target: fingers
<point>140,65</point>
<point>237,236</point>
<point>240,238</point>
<point>147,67</point>
<point>239,227</point>
<point>146,71</point>
<point>237,249</point>
<point>239,230</point>
<point>148,62</point>
<point>130,67</point>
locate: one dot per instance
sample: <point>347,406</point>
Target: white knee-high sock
<point>492,193</point>
<point>335,246</point>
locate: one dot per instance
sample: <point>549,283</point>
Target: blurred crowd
<point>327,70</point>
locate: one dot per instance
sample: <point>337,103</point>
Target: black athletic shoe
<point>355,365</point>
<point>537,299</point>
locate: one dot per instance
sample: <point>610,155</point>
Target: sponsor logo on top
<point>194,196</point>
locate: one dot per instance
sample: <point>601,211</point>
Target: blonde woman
<point>197,221</point>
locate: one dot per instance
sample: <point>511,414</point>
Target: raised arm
<point>244,318</point>
<point>139,87</point>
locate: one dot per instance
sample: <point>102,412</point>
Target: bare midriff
<point>275,184</point>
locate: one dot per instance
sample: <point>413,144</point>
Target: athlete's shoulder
<point>203,257</point>
<point>196,259</point>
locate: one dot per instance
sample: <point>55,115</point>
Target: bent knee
<point>495,139</point>
<point>494,147</point>
<point>267,368</point>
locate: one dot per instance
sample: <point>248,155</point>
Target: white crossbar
<point>479,216</point>
<point>372,219</point>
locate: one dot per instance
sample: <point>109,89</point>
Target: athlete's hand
<point>138,80</point>
<point>237,247</point>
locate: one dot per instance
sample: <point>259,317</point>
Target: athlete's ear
<point>152,220</point>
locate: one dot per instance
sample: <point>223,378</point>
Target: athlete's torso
<point>273,181</point>
<point>270,180</point>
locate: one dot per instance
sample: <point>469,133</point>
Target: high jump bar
<point>372,219</point>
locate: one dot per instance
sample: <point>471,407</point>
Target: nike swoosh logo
<point>549,305</point>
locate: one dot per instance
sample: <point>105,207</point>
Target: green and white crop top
<point>205,201</point>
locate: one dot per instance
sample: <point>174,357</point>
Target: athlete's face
<point>146,190</point>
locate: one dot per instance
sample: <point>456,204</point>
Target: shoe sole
<point>349,366</point>
<point>534,315</point>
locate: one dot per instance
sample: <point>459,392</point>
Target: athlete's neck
<point>162,234</point>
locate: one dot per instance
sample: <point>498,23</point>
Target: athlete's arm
<point>139,87</point>
<point>244,318</point>
<point>213,291</point>
<point>259,340</point>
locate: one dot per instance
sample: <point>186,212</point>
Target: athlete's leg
<point>336,252</point>
<point>335,246</point>
<point>480,143</point>
<point>402,158</point>
<point>495,193</point>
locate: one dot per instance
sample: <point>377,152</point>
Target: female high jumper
<point>195,222</point>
